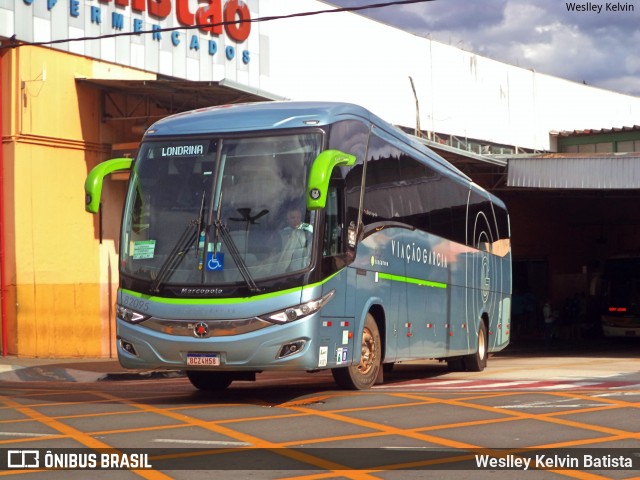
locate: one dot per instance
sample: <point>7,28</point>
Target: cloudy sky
<point>601,48</point>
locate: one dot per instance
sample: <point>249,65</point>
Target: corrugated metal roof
<point>596,131</point>
<point>441,147</point>
<point>179,95</point>
<point>565,171</point>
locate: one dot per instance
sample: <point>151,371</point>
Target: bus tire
<point>476,362</point>
<point>209,381</point>
<point>363,375</point>
<point>456,364</point>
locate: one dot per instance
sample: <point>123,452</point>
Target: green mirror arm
<point>320,174</point>
<point>95,179</point>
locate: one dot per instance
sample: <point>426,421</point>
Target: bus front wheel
<point>209,381</point>
<point>363,375</point>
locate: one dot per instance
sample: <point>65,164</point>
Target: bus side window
<point>334,223</point>
<point>335,252</point>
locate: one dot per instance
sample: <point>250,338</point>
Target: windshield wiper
<point>201,234</point>
<point>190,235</point>
<point>177,254</point>
<point>222,229</point>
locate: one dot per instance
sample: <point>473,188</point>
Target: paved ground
<point>424,422</point>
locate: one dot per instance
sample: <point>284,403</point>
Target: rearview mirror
<point>320,174</point>
<point>95,179</point>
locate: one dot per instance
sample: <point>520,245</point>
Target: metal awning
<point>453,153</point>
<point>574,171</point>
<point>488,171</point>
<point>596,131</point>
<point>152,99</point>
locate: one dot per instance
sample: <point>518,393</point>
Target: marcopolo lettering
<point>201,291</point>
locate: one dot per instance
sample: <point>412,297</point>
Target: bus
<point>396,254</point>
<point>621,296</point>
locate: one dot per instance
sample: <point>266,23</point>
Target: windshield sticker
<point>144,249</point>
<point>215,261</point>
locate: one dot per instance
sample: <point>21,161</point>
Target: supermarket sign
<point>215,19</point>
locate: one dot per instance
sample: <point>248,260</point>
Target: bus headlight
<point>297,312</point>
<point>129,315</point>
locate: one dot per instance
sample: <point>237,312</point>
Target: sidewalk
<point>20,369</point>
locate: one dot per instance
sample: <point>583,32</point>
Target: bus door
<point>336,257</point>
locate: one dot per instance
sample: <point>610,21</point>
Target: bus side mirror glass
<point>320,174</point>
<point>352,235</point>
<point>95,179</point>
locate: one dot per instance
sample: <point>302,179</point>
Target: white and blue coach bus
<point>300,236</point>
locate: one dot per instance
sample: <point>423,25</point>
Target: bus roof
<point>262,116</point>
<point>257,116</point>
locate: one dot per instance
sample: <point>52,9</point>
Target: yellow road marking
<point>256,442</point>
<point>75,434</point>
<point>302,408</point>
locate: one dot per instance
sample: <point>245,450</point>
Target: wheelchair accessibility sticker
<point>215,261</point>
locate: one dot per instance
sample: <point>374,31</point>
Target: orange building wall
<point>60,279</point>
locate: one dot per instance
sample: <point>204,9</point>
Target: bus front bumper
<point>289,346</point>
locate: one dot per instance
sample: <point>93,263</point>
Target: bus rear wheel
<point>209,381</point>
<point>476,362</point>
<point>363,375</point>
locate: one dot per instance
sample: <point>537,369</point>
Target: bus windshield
<point>218,211</point>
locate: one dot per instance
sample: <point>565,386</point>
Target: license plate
<point>203,359</point>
